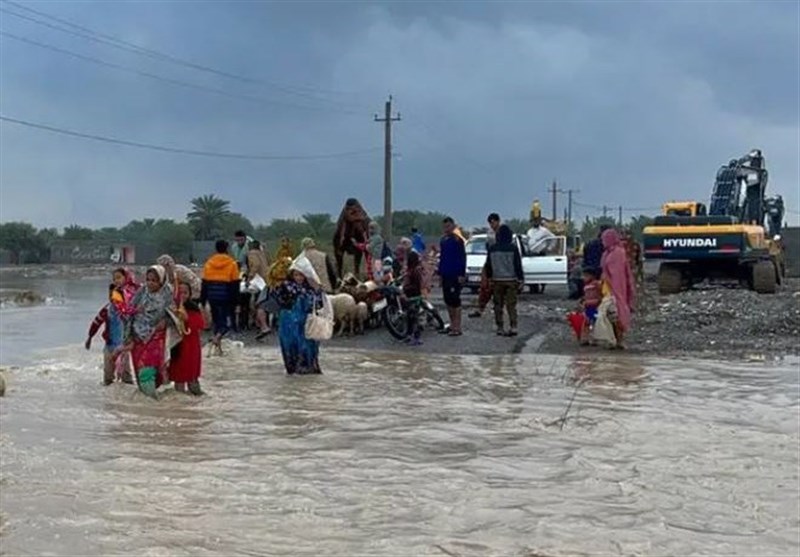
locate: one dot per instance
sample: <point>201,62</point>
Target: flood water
<point>392,454</point>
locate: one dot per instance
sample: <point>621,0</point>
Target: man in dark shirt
<point>593,252</point>
<point>453,273</point>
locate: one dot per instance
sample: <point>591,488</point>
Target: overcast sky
<point>631,103</point>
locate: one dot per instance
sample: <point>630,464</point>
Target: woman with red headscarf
<point>618,282</point>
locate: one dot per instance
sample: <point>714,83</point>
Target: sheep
<point>344,311</point>
<point>362,316</point>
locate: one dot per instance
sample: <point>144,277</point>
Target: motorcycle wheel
<point>432,317</point>
<point>396,322</point>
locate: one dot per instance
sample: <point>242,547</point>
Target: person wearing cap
<point>322,263</point>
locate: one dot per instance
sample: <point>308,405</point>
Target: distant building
<point>92,252</point>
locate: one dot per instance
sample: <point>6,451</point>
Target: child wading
<point>186,358</point>
<point>109,318</point>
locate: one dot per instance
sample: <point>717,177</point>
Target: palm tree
<point>208,215</point>
<point>321,224</point>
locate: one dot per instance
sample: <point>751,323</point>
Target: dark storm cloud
<point>631,103</point>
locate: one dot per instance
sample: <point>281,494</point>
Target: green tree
<point>174,238</point>
<point>139,231</point>
<point>79,233</point>
<point>108,234</point>
<point>232,223</point>
<point>293,228</point>
<point>638,224</point>
<point>518,226</point>
<point>207,217</point>
<point>22,241</point>
<point>321,225</point>
<point>591,227</point>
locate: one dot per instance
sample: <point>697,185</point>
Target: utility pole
<point>554,190</point>
<point>570,191</point>
<point>605,212</point>
<point>620,215</point>
<point>387,167</point>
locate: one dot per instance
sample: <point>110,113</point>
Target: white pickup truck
<point>540,270</point>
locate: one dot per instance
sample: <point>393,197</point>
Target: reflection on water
<point>421,456</point>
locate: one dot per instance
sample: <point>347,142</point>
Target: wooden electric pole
<point>555,191</point>
<point>387,167</point>
<point>570,191</point>
<point>620,215</point>
<point>605,212</point>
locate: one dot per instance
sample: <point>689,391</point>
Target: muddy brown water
<point>394,454</point>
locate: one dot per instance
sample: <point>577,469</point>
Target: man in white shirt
<point>540,239</point>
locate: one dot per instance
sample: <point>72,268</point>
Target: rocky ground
<point>707,322</point>
<point>713,322</point>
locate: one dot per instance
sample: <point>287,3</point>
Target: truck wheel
<point>670,279</point>
<point>534,289</point>
<point>764,277</point>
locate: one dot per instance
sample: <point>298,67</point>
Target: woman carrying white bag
<point>305,318</point>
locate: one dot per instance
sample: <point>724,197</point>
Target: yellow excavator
<point>728,240</point>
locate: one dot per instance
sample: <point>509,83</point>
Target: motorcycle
<point>393,312</point>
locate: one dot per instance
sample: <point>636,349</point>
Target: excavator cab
<point>684,209</point>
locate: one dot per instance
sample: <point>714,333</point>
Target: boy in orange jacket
<point>221,287</point>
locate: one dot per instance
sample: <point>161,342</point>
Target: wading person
<point>146,337</point>
<point>297,297</point>
<point>177,273</point>
<point>220,288</point>
<point>452,273</point>
<point>110,320</point>
<point>504,271</point>
<point>485,290</point>
<point>187,357</point>
<point>618,280</point>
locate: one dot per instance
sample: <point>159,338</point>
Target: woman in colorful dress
<point>617,279</point>
<point>187,357</point>
<point>147,331</point>
<point>297,296</point>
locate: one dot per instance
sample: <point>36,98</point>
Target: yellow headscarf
<point>279,271</point>
<point>285,250</point>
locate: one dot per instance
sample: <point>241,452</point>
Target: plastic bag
<point>319,323</point>
<point>577,320</point>
<point>603,330</point>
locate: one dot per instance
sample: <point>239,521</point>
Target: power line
<point>182,151</point>
<point>157,77</point>
<point>110,40</point>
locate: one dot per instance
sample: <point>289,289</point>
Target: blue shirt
<point>418,243</point>
<point>453,258</point>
